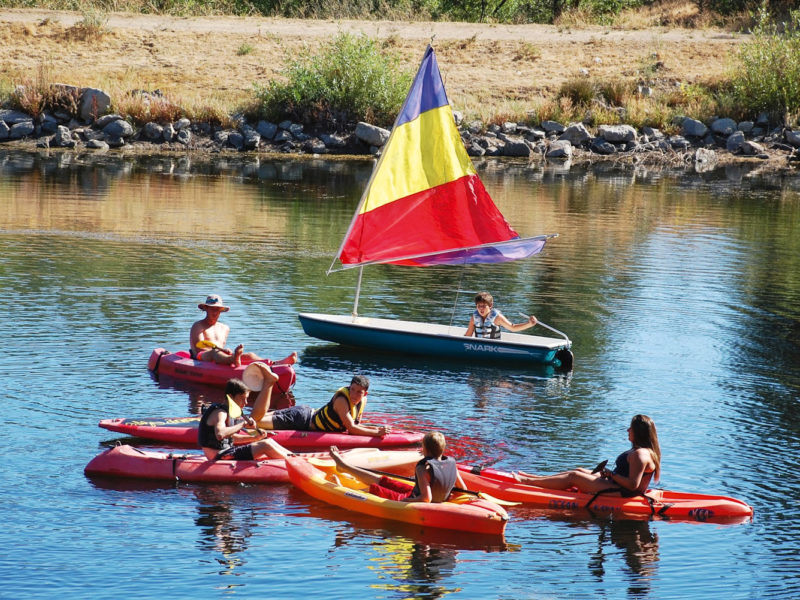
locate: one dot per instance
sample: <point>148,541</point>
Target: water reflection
<point>221,530</point>
<point>639,546</point>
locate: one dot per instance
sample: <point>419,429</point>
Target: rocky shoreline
<point>699,146</point>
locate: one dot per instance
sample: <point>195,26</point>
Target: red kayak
<point>180,365</point>
<point>128,461</point>
<point>183,430</point>
<point>659,503</point>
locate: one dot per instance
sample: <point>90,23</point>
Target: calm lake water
<point>681,293</point>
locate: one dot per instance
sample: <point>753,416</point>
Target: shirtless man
<point>211,330</point>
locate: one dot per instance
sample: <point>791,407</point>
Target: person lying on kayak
<point>485,321</point>
<point>221,421</point>
<point>435,475</point>
<point>634,470</point>
<point>215,334</point>
<point>342,413</point>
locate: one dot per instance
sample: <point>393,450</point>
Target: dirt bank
<point>484,65</point>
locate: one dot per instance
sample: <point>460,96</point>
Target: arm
<point>503,322</point>
<point>222,431</point>
<point>637,464</point>
<point>341,405</point>
<point>424,483</point>
<point>471,327</point>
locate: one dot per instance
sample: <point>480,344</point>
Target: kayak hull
<point>668,504</point>
<point>183,431</point>
<point>130,462</point>
<point>442,341</point>
<point>467,514</point>
<point>180,365</point>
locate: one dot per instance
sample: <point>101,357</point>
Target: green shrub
<point>767,75</point>
<point>349,80</point>
<point>580,90</point>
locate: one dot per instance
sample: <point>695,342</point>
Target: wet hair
<point>645,436</point>
<point>361,380</point>
<point>484,297</point>
<point>235,387</point>
<point>434,443</point>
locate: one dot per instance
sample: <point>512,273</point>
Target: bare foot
<point>289,360</point>
<point>334,454</point>
<point>269,375</point>
<point>237,355</point>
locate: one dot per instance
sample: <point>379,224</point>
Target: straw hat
<point>213,301</point>
<point>253,377</point>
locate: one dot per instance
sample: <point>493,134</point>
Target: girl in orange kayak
<point>632,474</point>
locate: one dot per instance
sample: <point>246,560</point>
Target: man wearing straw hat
<point>208,336</point>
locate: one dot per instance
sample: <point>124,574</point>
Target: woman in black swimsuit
<point>633,472</point>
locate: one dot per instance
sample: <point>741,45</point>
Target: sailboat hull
<point>428,339</point>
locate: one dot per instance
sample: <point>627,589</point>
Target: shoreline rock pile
<point>699,143</point>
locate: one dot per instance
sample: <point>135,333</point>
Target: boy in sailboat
<point>485,321</point>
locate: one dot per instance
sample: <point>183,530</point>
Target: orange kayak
<point>131,462</point>
<point>462,512</point>
<point>659,503</point>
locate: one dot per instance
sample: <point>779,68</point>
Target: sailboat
<point>425,205</point>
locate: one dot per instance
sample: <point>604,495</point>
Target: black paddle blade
<point>600,467</point>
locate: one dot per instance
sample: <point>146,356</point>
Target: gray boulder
<point>119,128</point>
<point>153,131</point>
<point>184,136</point>
<point>601,146</point>
<point>49,124</point>
<point>315,146</point>
<point>753,149</point>
<point>94,103</point>
<point>475,127</point>
<point>5,130</point>
<point>169,132</point>
<point>333,140</point>
<point>182,123</point>
<point>21,129</point>
<point>652,133</point>
<point>617,133</point>
<point>735,141</point>
<point>105,120</point>
<point>371,134</point>
<point>693,128</point>
<point>677,142</point>
<point>552,127</point>
<point>266,129</point>
<point>252,139</point>
<point>236,140</point>
<point>576,134</point>
<point>724,126</point>
<point>793,138</point>
<point>12,117</point>
<point>283,136</point>
<point>63,138</point>
<point>559,149</point>
<point>516,147</point>
<point>97,145</point>
<point>745,126</point>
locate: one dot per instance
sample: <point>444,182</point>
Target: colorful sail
<point>425,204</point>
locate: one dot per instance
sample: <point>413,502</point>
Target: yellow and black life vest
<point>326,418</point>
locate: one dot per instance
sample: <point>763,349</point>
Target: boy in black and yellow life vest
<point>341,414</point>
